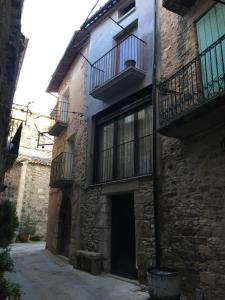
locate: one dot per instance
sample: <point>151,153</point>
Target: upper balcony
<point>179,7</point>
<point>62,170</point>
<point>60,118</point>
<point>193,99</point>
<point>13,142</point>
<point>118,69</point>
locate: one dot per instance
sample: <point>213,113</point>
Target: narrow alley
<point>44,276</point>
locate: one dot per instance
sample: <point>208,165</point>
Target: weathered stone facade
<point>95,221</point>
<point>11,41</point>
<point>74,141</point>
<point>28,180</point>
<point>191,212</point>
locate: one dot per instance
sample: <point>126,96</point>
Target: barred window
<point>125,146</point>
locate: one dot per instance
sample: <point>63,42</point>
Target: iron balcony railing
<point>60,112</point>
<point>197,83</point>
<point>128,53</point>
<point>13,142</point>
<point>14,126</point>
<point>61,169</point>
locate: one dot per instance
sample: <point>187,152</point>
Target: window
<point>124,146</point>
<point>126,8</point>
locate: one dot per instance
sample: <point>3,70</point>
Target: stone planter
<point>130,63</point>
<point>163,284</point>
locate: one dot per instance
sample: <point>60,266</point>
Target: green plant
<point>8,288</point>
<point>6,262</point>
<point>27,225</point>
<point>15,290</point>
<point>5,287</point>
<point>8,222</point>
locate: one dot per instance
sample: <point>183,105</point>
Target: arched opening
<point>64,226</point>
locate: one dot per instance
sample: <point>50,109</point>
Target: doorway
<point>65,226</point>
<point>123,253</point>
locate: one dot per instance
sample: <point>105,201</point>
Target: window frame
<point>114,118</point>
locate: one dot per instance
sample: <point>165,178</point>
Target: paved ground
<point>43,276</point>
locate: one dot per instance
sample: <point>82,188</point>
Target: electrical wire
<point>91,11</point>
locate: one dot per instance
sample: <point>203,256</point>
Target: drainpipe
<point>155,146</point>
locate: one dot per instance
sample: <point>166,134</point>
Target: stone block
<point>88,261</point>
<point>207,278</point>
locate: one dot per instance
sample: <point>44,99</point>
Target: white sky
<point>49,25</point>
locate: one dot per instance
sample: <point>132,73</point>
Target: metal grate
<point>61,169</point>
<point>129,52</point>
<point>60,112</point>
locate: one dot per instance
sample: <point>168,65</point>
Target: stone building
<point>191,123</point>
<point>28,180</point>
<point>101,200</point>
<point>126,195</point>
<point>11,47</point>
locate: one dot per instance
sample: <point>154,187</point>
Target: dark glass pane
<point>106,152</point>
<point>125,147</point>
<point>145,139</point>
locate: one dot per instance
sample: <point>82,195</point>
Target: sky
<point>49,26</point>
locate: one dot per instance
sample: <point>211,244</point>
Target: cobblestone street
<point>43,276</point>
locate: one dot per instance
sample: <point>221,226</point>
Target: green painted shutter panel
<point>210,28</point>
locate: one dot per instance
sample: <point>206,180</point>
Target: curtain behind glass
<point>125,147</point>
<point>145,140</point>
<point>106,152</point>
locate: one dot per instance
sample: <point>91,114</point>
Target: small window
<point>125,9</point>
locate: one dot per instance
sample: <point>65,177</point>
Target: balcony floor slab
<point>117,84</point>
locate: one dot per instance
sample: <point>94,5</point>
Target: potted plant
<point>130,63</point>
<point>8,222</point>
<point>27,228</point>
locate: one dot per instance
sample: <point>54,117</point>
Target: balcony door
<point>211,28</point>
<point>127,50</point>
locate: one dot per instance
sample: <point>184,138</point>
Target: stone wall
<point>73,140</point>
<point>28,180</point>
<point>28,187</point>
<point>192,194</point>
<point>192,212</point>
<point>11,45</point>
<point>36,195</point>
<point>12,181</point>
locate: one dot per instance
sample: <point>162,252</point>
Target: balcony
<point>59,118</point>
<point>120,68</point>
<point>179,7</point>
<point>13,143</point>
<point>62,170</point>
<point>193,99</point>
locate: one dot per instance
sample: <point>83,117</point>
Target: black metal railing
<point>60,112</point>
<point>128,53</point>
<point>195,84</point>
<point>13,142</point>
<point>61,169</point>
<point>13,127</point>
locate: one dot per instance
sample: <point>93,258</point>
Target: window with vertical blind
<point>124,147</point>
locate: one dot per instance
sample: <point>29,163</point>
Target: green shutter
<point>210,28</point>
